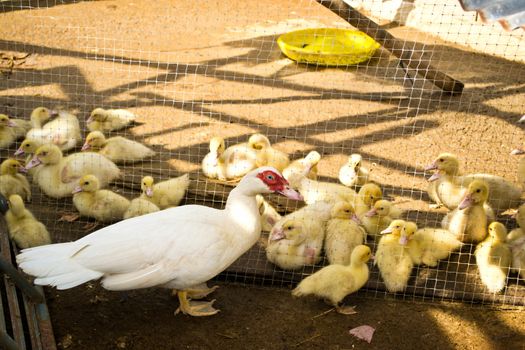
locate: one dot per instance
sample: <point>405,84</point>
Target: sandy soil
<point>191,70</point>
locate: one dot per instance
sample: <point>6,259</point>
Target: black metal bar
<point>26,287</point>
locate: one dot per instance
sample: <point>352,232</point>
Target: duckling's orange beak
<point>386,230</point>
<point>432,166</point>
<point>20,151</point>
<point>11,123</point>
<point>371,213</point>
<point>434,176</point>
<point>149,192</point>
<point>403,240</point>
<point>77,189</point>
<point>277,234</point>
<point>517,151</point>
<point>356,219</point>
<point>33,163</point>
<point>89,120</point>
<point>466,202</point>
<point>86,146</point>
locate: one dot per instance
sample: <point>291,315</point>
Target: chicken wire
<point>225,75</point>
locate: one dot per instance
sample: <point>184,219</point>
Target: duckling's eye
<point>43,154</point>
<point>478,190</point>
<point>289,227</point>
<point>441,160</point>
<point>144,183</point>
<point>347,210</point>
<point>382,208</point>
<point>26,145</point>
<point>86,182</point>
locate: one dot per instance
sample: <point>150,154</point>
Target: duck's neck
<point>243,211</point>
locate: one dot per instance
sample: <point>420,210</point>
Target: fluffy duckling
<point>11,181</point>
<point>380,217</point>
<point>292,244</point>
<point>353,173</point>
<point>335,282</point>
<point>269,216</point>
<point>316,191</point>
<point>23,228</point>
<point>468,222</point>
<point>102,205</point>
<point>306,165</point>
<point>429,245</point>
<point>266,154</point>
<point>105,120</point>
<point>11,130</point>
<point>118,149</point>
<point>494,258</point>
<point>448,188</point>
<point>393,258</point>
<point>63,131</point>
<point>343,234</point>
<point>139,207</point>
<point>58,175</point>
<point>367,196</point>
<point>229,163</point>
<point>28,148</point>
<point>516,241</point>
<point>167,193</point>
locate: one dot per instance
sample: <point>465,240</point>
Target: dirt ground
<point>191,70</point>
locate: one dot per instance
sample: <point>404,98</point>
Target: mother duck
<point>177,248</point>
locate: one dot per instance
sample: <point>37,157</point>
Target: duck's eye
<point>86,182</point>
<point>289,227</point>
<point>144,183</point>
<point>26,145</point>
<point>478,190</point>
<point>347,210</point>
<point>270,177</point>
<point>441,160</point>
<point>43,154</point>
<point>381,208</point>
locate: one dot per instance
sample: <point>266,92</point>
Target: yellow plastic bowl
<point>328,46</point>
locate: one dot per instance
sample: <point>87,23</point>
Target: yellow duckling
<point>353,173</point>
<point>11,182</point>
<point>59,175</point>
<point>306,166</point>
<point>516,241</point>
<point>494,258</point>
<point>317,191</point>
<point>335,282</point>
<point>292,244</point>
<point>367,196</point>
<point>11,130</point>
<point>102,205</point>
<point>269,216</point>
<point>468,222</point>
<point>429,245</point>
<point>118,149</point>
<point>266,154</point>
<point>343,234</point>
<point>393,258</point>
<point>23,228</point>
<point>448,188</point>
<point>380,217</point>
<point>139,207</point>
<point>28,148</point>
<point>167,193</point>
<point>63,131</point>
<point>228,163</point>
<point>109,119</point>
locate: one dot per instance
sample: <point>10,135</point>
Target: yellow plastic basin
<point>328,46</point>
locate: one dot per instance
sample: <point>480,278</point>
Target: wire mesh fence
<point>225,75</point>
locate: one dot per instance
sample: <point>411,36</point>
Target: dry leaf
<point>363,332</point>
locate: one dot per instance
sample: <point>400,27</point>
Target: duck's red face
<point>278,184</point>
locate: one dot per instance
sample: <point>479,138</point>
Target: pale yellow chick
<point>23,227</point>
<point>63,131</point>
<point>468,222</point>
<point>379,217</point>
<point>317,191</point>
<point>494,258</point>
<point>109,119</point>
<point>57,175</point>
<point>293,244</point>
<point>167,193</point>
<point>306,166</point>
<point>353,173</point>
<point>12,182</point>
<point>139,207</point>
<point>335,282</point>
<point>429,245</point>
<point>367,196</point>
<point>11,130</point>
<point>393,258</point>
<point>102,205</point>
<point>118,149</point>
<point>516,242</point>
<point>343,234</point>
<point>266,154</point>
<point>230,163</point>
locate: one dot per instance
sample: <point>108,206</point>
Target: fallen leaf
<point>363,332</point>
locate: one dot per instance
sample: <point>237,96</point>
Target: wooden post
<point>410,58</point>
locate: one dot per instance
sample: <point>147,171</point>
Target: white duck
<point>177,248</point>
<point>306,165</point>
<point>63,131</point>
<point>59,175</point>
<point>109,119</point>
<point>353,173</point>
